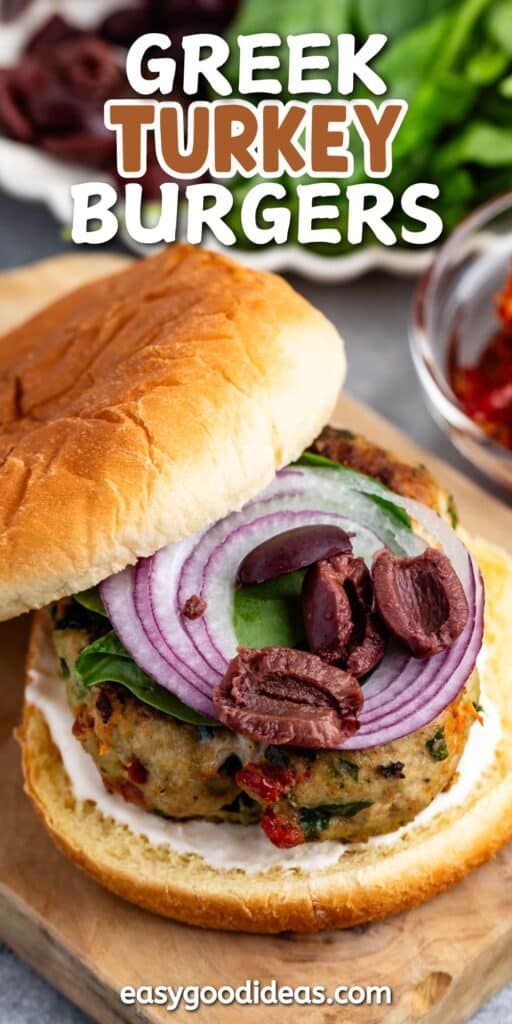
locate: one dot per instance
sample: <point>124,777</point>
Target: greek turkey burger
<point>256,695</point>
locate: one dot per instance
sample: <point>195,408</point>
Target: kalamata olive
<point>327,612</point>
<point>288,698</point>
<point>341,627</point>
<point>215,12</point>
<point>194,607</point>
<point>13,118</point>
<point>291,550</point>
<point>84,147</point>
<point>122,27</point>
<point>44,42</point>
<point>55,110</point>
<point>11,9</point>
<point>365,653</point>
<point>90,68</point>
<point>421,600</point>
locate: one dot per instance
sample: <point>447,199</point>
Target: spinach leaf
<point>460,33</point>
<point>264,617</point>
<point>487,65</point>
<point>407,57</point>
<point>395,19</point>
<point>352,476</point>
<point>106,660</point>
<point>394,511</point>
<point>347,810</point>
<point>91,599</point>
<point>383,496</point>
<point>499,25</point>
<point>314,820</point>
<point>287,585</point>
<point>479,143</point>
<point>505,87</point>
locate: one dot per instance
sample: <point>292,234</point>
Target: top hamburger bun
<point>144,406</point>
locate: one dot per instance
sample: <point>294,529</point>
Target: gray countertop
<point>372,314</point>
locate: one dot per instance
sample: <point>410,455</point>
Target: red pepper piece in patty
<point>282,831</point>
<point>266,783</point>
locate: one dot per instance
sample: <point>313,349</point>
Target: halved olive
<point>291,550</point>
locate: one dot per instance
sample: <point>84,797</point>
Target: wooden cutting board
<point>442,960</point>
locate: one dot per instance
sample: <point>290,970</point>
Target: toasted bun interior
<point>145,406</point>
<point>367,883</point>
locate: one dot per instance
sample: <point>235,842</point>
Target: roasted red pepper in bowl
<point>484,388</point>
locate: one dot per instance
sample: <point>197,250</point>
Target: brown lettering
<point>230,146</point>
<point>324,136</point>
<point>180,157</point>
<point>130,119</point>
<point>278,136</point>
<point>377,131</point>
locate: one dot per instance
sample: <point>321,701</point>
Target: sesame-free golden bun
<point>368,883</point>
<point>146,405</point>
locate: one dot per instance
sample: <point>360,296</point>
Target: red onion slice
<point>189,663</point>
<point>118,597</point>
<point>190,656</point>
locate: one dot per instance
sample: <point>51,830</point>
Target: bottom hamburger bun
<point>369,882</point>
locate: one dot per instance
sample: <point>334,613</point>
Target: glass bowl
<point>455,298</point>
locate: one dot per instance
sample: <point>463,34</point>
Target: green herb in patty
<point>340,765</point>
<point>314,820</point>
<point>437,745</point>
<point>64,668</point>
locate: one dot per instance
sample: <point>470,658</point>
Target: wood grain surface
<point>442,960</point>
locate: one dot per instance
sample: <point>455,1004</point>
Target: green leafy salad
<point>451,60</point>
